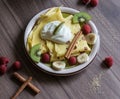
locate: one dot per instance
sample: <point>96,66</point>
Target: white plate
<point>70,70</point>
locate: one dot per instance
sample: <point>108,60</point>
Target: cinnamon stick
<point>22,87</point>
<point>72,45</point>
<point>30,85</point>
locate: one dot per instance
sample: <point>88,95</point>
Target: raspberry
<point>3,69</point>
<point>86,2</point>
<point>45,58</point>
<point>108,61</point>
<point>4,60</point>
<point>16,65</point>
<point>86,28</point>
<point>94,3</point>
<point>72,60</point>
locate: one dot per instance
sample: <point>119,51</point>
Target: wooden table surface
<point>95,82</point>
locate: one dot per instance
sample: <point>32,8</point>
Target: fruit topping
<point>3,69</point>
<point>35,53</point>
<point>109,61</point>
<point>16,65</point>
<point>45,58</point>
<point>58,65</point>
<point>4,60</point>
<point>91,38</point>
<point>82,58</point>
<point>86,29</point>
<point>72,60</point>
<point>81,17</point>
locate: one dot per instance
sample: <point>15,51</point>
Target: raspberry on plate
<point>86,29</point>
<point>72,60</point>
<point>45,58</point>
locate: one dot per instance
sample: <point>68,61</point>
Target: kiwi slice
<point>58,28</point>
<point>81,17</point>
<point>35,53</point>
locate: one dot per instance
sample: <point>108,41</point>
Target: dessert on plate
<point>61,40</point>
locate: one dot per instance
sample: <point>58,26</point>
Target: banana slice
<point>82,58</point>
<point>91,38</point>
<point>58,65</point>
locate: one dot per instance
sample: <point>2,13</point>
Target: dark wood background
<point>96,82</point>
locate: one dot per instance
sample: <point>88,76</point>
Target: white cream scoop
<point>62,35</point>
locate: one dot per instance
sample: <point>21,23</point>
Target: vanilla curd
<point>63,35</point>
